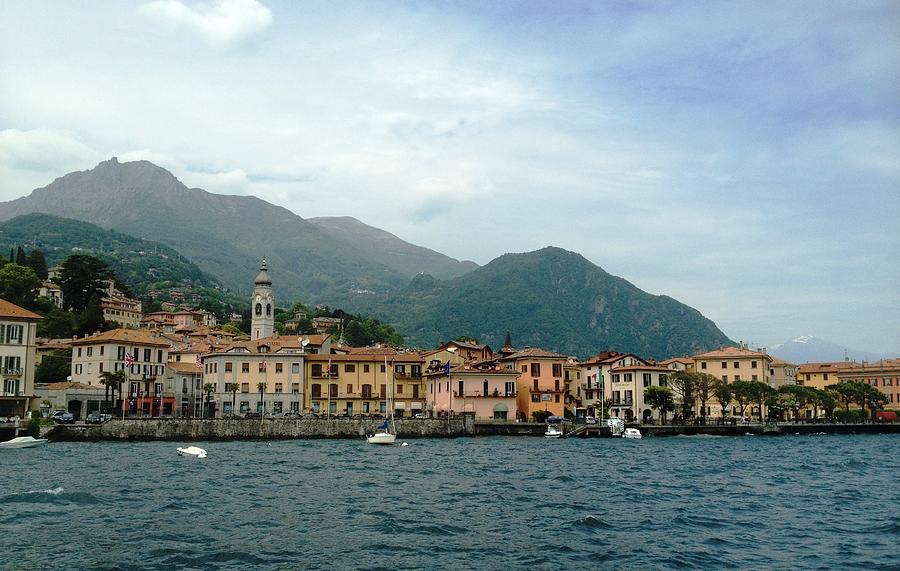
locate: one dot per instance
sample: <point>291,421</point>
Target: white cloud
<point>221,22</point>
<point>44,150</point>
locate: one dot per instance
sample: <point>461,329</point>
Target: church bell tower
<point>262,306</point>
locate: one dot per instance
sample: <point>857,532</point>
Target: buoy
<point>405,444</point>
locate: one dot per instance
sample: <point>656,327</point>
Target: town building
<point>678,364</point>
<point>77,398</point>
<point>18,334</point>
<point>365,381</point>
<point>595,375</point>
<point>51,291</point>
<point>263,375</point>
<point>184,382</point>
<point>627,384</point>
<point>782,373</point>
<point>884,375</point>
<point>485,389</point>
<point>323,325</point>
<point>822,375</point>
<point>140,354</point>
<point>468,351</point>
<point>540,386</point>
<point>121,310</point>
<point>734,364</point>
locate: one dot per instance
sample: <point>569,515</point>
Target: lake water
<point>811,502</point>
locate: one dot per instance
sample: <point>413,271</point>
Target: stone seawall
<point>185,429</point>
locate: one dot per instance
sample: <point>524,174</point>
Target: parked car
<point>291,414</point>
<point>420,415</point>
<point>252,415</point>
<point>64,418</point>
<point>590,420</point>
<point>94,418</point>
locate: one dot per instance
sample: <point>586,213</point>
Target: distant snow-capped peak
<point>803,339</point>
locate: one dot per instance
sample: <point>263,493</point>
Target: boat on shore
<point>632,433</point>
<point>23,442</point>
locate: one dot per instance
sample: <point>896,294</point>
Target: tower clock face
<point>258,297</point>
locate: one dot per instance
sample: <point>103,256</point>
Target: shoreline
<point>458,427</point>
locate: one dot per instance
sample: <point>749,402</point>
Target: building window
<point>724,378</point>
<point>825,377</point>
<point>278,387</point>
<point>752,364</point>
<point>702,364</point>
<point>295,368</point>
<point>245,367</point>
<point>227,366</point>
<point>279,367</point>
<point>365,368</point>
<point>245,387</point>
<point>90,351</point>
<point>627,377</point>
<point>316,390</point>
<point>737,377</point>
<point>261,367</point>
<point>524,368</point>
<point>753,377</point>
<point>295,388</point>
<point>557,370</point>
<point>724,364</point>
<point>648,380</point>
<point>78,369</point>
<point>349,368</point>
<point>535,369</point>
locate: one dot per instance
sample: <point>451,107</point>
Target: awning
<point>416,405</point>
<point>399,405</point>
<point>500,407</point>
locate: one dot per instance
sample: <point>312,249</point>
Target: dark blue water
<point>818,502</point>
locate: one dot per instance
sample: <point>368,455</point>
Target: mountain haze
<point>385,248</point>
<point>225,236</point>
<point>551,298</point>
<point>809,349</point>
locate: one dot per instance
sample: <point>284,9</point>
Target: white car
<point>421,415</point>
<point>590,420</point>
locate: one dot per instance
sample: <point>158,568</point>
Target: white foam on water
<point>53,491</point>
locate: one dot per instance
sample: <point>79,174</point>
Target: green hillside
<point>553,299</point>
<point>143,265</point>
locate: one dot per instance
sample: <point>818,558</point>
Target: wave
<point>56,495</point>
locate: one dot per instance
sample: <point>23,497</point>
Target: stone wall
<point>239,429</point>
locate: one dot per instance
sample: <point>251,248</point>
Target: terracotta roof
<point>275,343</point>
<point>132,336</point>
<point>65,385</point>
<point>886,365</point>
<point>641,368</point>
<point>683,360</point>
<point>534,353</point>
<point>11,310</point>
<point>831,367</point>
<point>777,361</point>
<point>730,352</point>
<point>410,357</point>
<point>182,367</point>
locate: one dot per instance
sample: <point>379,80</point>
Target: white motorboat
<point>632,433</point>
<point>23,442</point>
<point>192,451</point>
<point>553,431</point>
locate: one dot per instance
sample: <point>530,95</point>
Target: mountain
<point>225,236</point>
<point>143,265</point>
<point>385,248</point>
<point>551,298</point>
<point>809,349</point>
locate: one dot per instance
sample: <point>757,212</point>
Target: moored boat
<point>23,442</point>
<point>632,433</point>
<point>553,431</point>
<point>192,451</point>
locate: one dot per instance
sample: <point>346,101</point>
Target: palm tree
<point>208,388</point>
<point>112,381</point>
<point>234,388</point>
<point>261,387</point>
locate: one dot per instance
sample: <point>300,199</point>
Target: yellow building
<point>821,375</point>
<point>540,386</point>
<point>883,375</point>
<point>734,364</point>
<point>364,381</point>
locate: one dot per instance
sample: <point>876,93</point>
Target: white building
<point>18,331</point>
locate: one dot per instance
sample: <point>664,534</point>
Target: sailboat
<point>387,432</point>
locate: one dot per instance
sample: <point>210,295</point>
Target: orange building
<point>883,375</point>
<point>541,385</point>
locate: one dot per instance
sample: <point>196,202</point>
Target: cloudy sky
<point>742,157</point>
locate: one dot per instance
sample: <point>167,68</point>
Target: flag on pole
<point>129,359</point>
<point>198,362</point>
<point>447,369</point>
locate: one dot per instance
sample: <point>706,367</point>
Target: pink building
<point>485,389</point>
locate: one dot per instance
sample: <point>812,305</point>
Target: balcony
<point>490,394</point>
<point>12,372</point>
<point>323,375</point>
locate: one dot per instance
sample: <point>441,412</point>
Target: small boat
<point>553,431</point>
<point>23,442</point>
<point>384,435</point>
<point>192,451</point>
<point>632,433</point>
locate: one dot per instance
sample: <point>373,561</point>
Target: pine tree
<point>21,258</point>
<point>38,263</point>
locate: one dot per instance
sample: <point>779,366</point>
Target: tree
<point>871,397</point>
<point>682,385</point>
<point>261,387</point>
<point>234,389</point>
<point>21,258</point>
<point>113,380</point>
<point>209,389</point>
<point>723,393</point>
<point>661,399</point>
<point>704,384</point>
<point>38,263</point>
<point>845,392</point>
<point>19,285</point>
<point>90,320</point>
<point>826,400</point>
<point>55,367</point>
<point>761,393</point>
<point>82,278</point>
<point>742,392</point>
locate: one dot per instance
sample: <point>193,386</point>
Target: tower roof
<point>263,277</point>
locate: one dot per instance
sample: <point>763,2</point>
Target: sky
<point>741,157</point>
